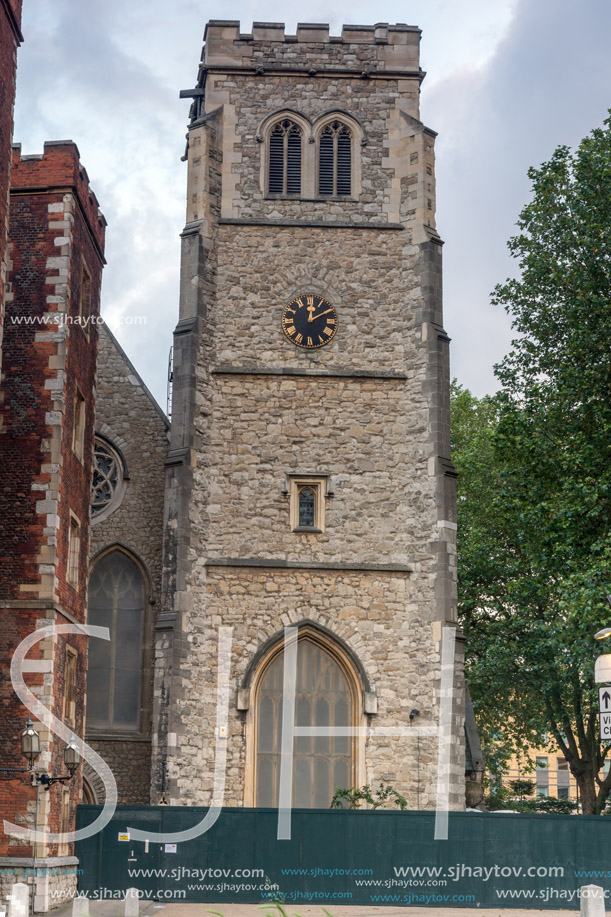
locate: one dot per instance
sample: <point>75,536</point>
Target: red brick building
<point>55,259</point>
<point>10,39</point>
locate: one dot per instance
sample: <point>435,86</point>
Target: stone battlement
<point>381,46</point>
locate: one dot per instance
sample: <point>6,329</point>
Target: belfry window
<point>335,160</point>
<point>285,143</point>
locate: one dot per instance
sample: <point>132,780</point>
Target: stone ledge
<point>309,224</point>
<point>226,370</point>
<point>272,563</point>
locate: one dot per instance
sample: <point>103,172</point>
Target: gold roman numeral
<point>331,321</point>
<point>290,329</point>
<point>310,300</point>
<point>320,339</point>
<point>328,331</point>
<point>299,338</point>
<point>310,342</point>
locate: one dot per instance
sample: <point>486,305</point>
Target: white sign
<point>602,668</point>
<point>605,727</point>
<point>604,699</point>
<point>123,835</point>
<point>170,848</point>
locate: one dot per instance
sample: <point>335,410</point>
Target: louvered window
<point>285,158</point>
<point>335,160</point>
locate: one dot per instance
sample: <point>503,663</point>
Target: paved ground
<point>115,909</point>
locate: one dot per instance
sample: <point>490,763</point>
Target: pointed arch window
<point>335,160</point>
<point>325,696</point>
<point>114,677</point>
<point>285,154</point>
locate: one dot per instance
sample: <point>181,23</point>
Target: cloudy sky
<point>508,81</point>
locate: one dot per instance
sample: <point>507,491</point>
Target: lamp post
<point>30,749</point>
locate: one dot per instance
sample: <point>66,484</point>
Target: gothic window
<point>325,696</point>
<point>108,485</point>
<point>284,162</point>
<point>335,160</point>
<point>307,502</point>
<point>114,680</point>
<point>307,499</point>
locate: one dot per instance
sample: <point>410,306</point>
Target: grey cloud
<point>548,84</point>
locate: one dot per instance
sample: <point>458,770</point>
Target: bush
<point>385,797</point>
<point>521,787</point>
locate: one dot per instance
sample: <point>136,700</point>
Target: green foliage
<point>522,787</point>
<point>535,478</point>
<point>501,798</point>
<point>385,797</point>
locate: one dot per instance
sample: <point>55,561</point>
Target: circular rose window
<point>108,483</point>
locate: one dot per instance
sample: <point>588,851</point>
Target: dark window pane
<point>306,507</point>
<point>343,162</point>
<point>276,161</point>
<point>325,163</point>
<point>293,162</point>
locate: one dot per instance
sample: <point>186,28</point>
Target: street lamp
<point>30,743</point>
<point>30,749</point>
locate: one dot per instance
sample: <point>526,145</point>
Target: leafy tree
<point>535,502</point>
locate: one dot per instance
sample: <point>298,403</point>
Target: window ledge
<point>307,530</point>
<point>323,199</point>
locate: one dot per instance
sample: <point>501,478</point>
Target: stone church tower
<point>308,479</point>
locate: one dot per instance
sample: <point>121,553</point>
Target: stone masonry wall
<point>128,416</point>
<point>369,409</point>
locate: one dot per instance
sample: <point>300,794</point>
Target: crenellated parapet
<point>369,49</point>
<point>59,166</point>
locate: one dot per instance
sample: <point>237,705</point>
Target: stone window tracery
<point>108,483</point>
<point>114,679</point>
<point>325,696</point>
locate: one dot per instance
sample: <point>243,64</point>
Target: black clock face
<point>309,321</point>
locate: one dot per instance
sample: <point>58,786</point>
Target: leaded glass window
<point>335,160</point>
<point>307,502</point>
<point>106,488</point>
<point>114,678</point>
<point>285,158</point>
<point>323,698</point>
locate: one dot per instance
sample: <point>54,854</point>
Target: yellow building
<point>548,770</point>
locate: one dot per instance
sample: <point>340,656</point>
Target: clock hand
<point>310,310</point>
<point>320,314</point>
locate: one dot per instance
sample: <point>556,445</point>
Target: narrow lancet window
<point>285,158</point>
<point>335,160</point>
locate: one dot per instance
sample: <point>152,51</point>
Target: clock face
<point>309,321</point>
